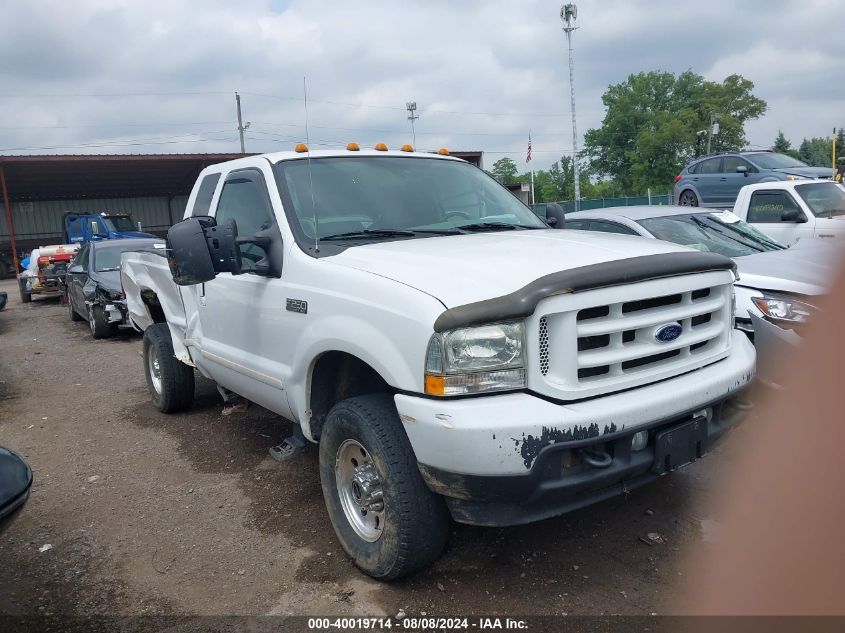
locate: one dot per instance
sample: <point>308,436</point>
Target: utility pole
<point>241,127</point>
<point>712,129</point>
<point>569,15</point>
<point>411,106</point>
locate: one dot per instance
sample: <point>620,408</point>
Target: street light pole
<point>411,106</point>
<point>569,15</point>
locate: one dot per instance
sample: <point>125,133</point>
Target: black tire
<point>74,315</point>
<point>688,198</point>
<point>26,297</point>
<point>98,322</point>
<point>175,391</point>
<point>416,521</point>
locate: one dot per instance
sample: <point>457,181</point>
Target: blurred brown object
<point>781,548</point>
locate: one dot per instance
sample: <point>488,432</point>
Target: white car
<point>452,355</point>
<point>793,210</point>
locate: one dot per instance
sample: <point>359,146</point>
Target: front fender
<point>394,358</point>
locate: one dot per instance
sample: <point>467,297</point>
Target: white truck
<point>452,355</point>
<point>793,210</point>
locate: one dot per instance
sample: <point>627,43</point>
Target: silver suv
<point>715,180</point>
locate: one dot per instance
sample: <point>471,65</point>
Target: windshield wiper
<point>106,270</point>
<point>369,233</point>
<point>705,225</point>
<point>495,226</point>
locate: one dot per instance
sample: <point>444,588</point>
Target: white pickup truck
<point>451,354</point>
<point>793,210</point>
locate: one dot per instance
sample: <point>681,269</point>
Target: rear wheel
<point>386,518</point>
<point>170,381</point>
<point>98,321</point>
<point>26,296</point>
<point>688,198</point>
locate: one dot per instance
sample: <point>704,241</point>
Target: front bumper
<point>516,458</point>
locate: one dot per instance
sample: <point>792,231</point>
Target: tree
<point>505,171</point>
<point>815,151</point>
<point>649,129</point>
<point>783,146</point>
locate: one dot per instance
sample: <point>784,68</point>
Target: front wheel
<point>26,296</point>
<point>170,381</point>
<point>386,518</point>
<point>688,198</point>
<point>98,321</point>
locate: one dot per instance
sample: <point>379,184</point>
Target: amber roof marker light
<point>300,148</point>
<point>353,147</point>
<point>407,148</point>
<point>381,147</point>
<point>443,151</point>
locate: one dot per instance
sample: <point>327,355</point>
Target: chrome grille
<point>587,345</point>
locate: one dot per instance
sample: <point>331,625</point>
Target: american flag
<point>528,153</point>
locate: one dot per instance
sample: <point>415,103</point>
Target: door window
<point>202,204</point>
<point>730,164</point>
<point>710,166</point>
<point>81,258</point>
<point>578,225</point>
<point>244,199</point>
<point>768,206</point>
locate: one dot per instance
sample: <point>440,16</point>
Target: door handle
<point>722,178</point>
<point>826,235</point>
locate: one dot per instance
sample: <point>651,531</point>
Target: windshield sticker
<point>726,217</point>
<point>159,245</point>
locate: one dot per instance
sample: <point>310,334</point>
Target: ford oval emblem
<point>668,332</point>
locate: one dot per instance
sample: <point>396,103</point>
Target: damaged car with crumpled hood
<point>94,292</point>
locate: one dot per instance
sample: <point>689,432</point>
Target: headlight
<point>476,360</point>
<point>783,309</point>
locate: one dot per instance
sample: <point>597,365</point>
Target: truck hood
<point>461,269</point>
<point>807,271</point>
<point>806,172</point>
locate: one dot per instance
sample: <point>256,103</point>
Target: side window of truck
<point>202,204</point>
<point>768,206</point>
<point>244,198</point>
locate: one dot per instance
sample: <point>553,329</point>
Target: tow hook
<point>595,457</point>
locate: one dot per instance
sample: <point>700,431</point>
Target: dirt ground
<point>187,514</point>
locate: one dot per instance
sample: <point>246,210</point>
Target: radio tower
<point>569,15</point>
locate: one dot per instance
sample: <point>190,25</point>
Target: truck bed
<point>151,294</point>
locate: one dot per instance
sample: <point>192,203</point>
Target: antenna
<point>569,15</point>
<point>310,179</point>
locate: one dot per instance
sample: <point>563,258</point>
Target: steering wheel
<point>460,214</point>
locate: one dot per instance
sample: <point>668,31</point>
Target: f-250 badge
<point>297,305</point>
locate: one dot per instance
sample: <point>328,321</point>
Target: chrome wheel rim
<point>155,369</point>
<point>360,490</point>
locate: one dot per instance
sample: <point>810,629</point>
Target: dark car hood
<point>108,279</point>
<point>130,234</point>
<point>807,172</point>
<point>15,482</point>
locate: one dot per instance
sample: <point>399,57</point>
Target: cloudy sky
<point>93,76</point>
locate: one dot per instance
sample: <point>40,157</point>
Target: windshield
<point>775,161</point>
<point>119,223</point>
<point>380,198</point>
<point>825,199</point>
<point>108,257</point>
<point>719,232</point>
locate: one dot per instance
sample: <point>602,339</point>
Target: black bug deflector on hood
<point>523,302</point>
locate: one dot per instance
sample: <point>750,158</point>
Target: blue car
<point>715,180</point>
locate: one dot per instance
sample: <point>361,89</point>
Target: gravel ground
<point>187,514</point>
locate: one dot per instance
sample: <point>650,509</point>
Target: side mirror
<point>95,228</point>
<point>554,215</point>
<point>742,169</point>
<point>793,215</point>
<point>189,250</point>
<point>75,269</point>
<point>198,249</point>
